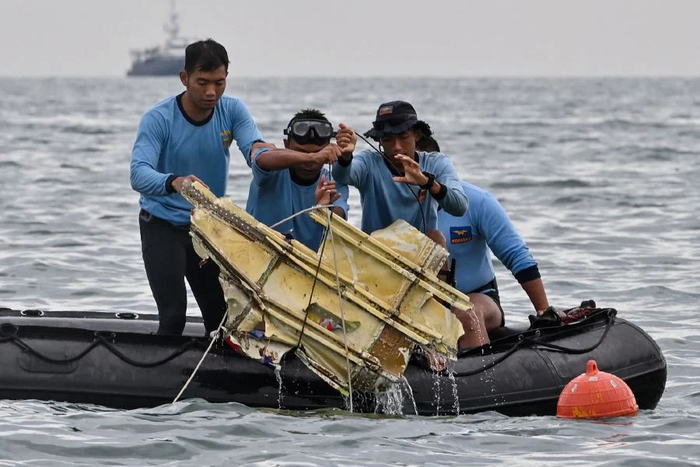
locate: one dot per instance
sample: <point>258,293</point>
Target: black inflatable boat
<point>115,360</point>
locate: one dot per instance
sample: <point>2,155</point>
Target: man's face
<point>205,88</point>
<point>307,170</point>
<point>402,143</point>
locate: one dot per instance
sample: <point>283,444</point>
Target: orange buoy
<point>596,394</point>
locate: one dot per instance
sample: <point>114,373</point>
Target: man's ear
<point>183,78</point>
<point>286,143</point>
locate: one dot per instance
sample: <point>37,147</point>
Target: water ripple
<point>599,176</point>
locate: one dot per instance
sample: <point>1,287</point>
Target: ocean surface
<point>600,176</point>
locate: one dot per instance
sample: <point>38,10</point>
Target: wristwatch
<point>429,184</point>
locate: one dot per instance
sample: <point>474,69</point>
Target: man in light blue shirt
<point>287,181</point>
<point>399,182</point>
<point>402,183</point>
<point>187,137</point>
<point>470,239</point>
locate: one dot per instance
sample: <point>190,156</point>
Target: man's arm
<point>328,192</point>
<point>535,290</point>
<point>510,248</point>
<point>349,170</point>
<point>280,159</point>
<point>245,132</point>
<point>443,185</point>
<point>144,176</point>
<point>259,145</point>
<point>341,206</point>
<point>447,189</point>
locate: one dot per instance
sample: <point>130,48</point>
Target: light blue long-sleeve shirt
<point>169,143</point>
<point>274,196</point>
<point>485,226</point>
<point>384,201</point>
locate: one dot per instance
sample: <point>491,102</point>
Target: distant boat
<point>165,60</point>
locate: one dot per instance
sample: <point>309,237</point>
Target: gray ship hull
<point>157,67</point>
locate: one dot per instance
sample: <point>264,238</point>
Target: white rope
<point>214,337</point>
<point>312,208</point>
<point>340,305</point>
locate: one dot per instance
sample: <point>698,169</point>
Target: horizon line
<point>402,77</point>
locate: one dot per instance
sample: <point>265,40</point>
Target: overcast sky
<point>363,37</point>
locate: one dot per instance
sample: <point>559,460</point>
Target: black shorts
<point>491,290</point>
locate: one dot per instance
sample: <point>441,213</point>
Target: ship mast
<point>172,27</point>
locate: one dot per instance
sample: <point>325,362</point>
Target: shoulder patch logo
<point>460,234</point>
<point>226,138</point>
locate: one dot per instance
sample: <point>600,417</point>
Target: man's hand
<point>325,192</point>
<point>559,313</point>
<point>179,183</point>
<point>346,139</point>
<point>327,155</point>
<point>412,172</point>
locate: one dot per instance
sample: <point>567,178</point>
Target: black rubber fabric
<point>169,258</point>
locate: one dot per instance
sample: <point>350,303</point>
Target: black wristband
<point>345,162</point>
<point>528,274</point>
<point>169,184</point>
<point>441,193</point>
<point>429,183</point>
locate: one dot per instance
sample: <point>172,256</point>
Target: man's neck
<point>193,112</point>
<point>296,178</point>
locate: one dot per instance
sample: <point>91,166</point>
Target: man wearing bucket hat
<point>398,182</point>
<point>402,183</point>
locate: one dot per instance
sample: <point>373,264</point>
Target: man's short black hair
<point>309,114</point>
<point>428,144</point>
<point>207,55</point>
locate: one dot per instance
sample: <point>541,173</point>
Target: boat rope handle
<point>611,314</point>
<point>493,363</point>
<point>214,337</point>
<point>522,340</point>
<point>99,340</point>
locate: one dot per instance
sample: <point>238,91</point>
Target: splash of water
<point>479,332</point>
<point>455,392</point>
<point>436,390</point>
<point>280,388</point>
<point>409,393</point>
<point>390,402</point>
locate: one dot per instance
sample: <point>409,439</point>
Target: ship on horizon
<point>165,60</point>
